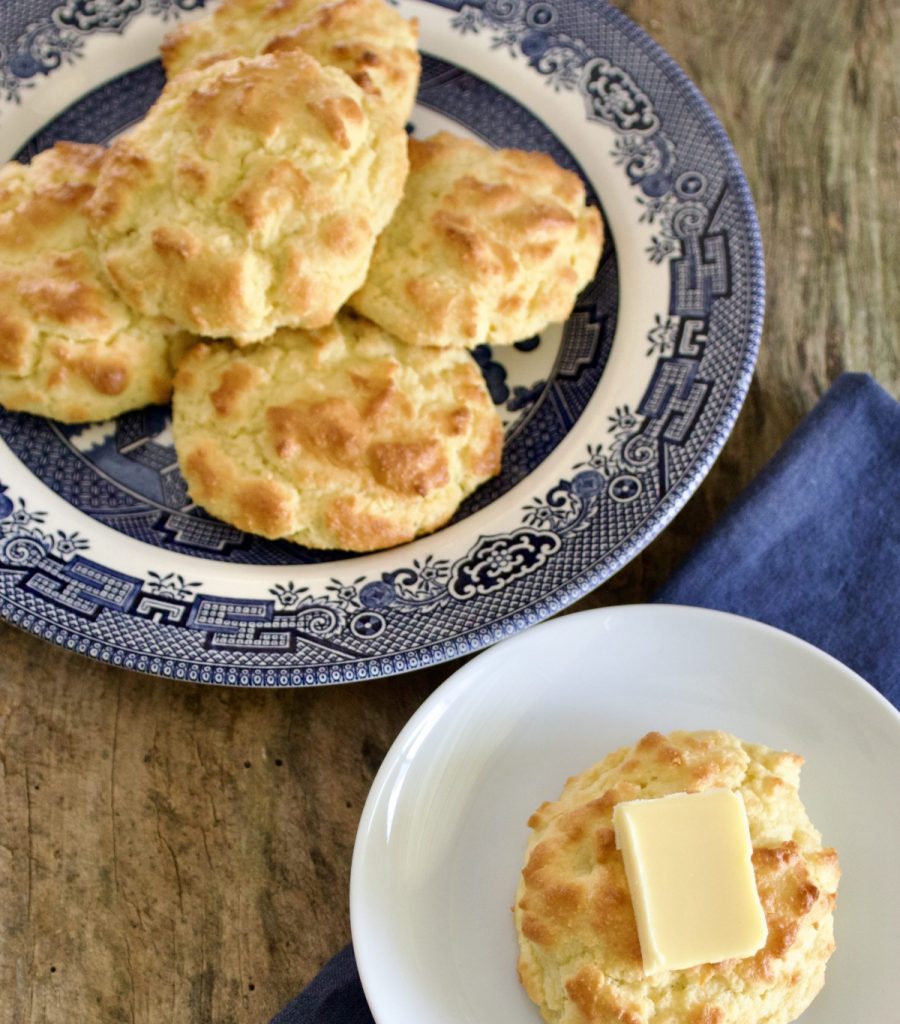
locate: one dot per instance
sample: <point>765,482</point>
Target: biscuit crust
<point>367,39</point>
<point>338,438</point>
<point>486,246</point>
<point>249,197</point>
<point>70,349</point>
<point>580,957</point>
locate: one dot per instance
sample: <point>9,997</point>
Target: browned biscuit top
<point>70,349</point>
<point>580,957</point>
<point>338,438</point>
<point>486,246</point>
<point>249,197</point>
<point>367,39</point>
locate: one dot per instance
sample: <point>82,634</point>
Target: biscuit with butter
<point>69,347</point>
<point>249,198</point>
<point>337,438</point>
<point>580,957</point>
<point>367,39</point>
<point>486,246</point>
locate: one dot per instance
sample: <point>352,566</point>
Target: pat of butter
<point>688,865</point>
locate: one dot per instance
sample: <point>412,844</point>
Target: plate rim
<point>452,689</point>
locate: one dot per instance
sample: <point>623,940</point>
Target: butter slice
<point>688,865</point>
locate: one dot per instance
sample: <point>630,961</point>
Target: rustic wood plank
<point>176,853</point>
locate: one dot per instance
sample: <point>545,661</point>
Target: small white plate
<point>441,840</point>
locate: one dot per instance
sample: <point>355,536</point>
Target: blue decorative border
<point>55,33</point>
<point>644,474</point>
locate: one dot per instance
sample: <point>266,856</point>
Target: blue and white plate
<point>611,420</point>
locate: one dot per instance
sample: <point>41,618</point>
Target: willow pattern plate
<point>611,420</point>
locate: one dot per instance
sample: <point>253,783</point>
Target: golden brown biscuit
<point>580,959</point>
<point>367,39</point>
<point>339,438</point>
<point>249,198</point>
<point>486,246</point>
<point>69,347</point>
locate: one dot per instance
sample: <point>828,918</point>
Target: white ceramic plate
<point>441,840</point>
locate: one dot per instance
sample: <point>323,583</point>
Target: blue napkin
<point>334,996</point>
<point>812,547</point>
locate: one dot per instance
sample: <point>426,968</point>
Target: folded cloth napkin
<point>812,547</point>
<point>334,996</point>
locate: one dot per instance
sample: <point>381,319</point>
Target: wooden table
<point>176,853</point>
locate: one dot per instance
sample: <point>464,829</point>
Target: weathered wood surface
<point>179,854</point>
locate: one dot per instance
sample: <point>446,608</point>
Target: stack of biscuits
<point>270,250</point>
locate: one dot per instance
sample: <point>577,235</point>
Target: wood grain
<point>180,854</point>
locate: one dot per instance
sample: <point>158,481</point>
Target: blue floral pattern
<point>56,36</point>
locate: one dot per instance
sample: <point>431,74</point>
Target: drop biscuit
<point>249,198</point>
<point>70,348</point>
<point>486,246</point>
<point>367,39</point>
<point>338,438</point>
<point>580,958</point>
